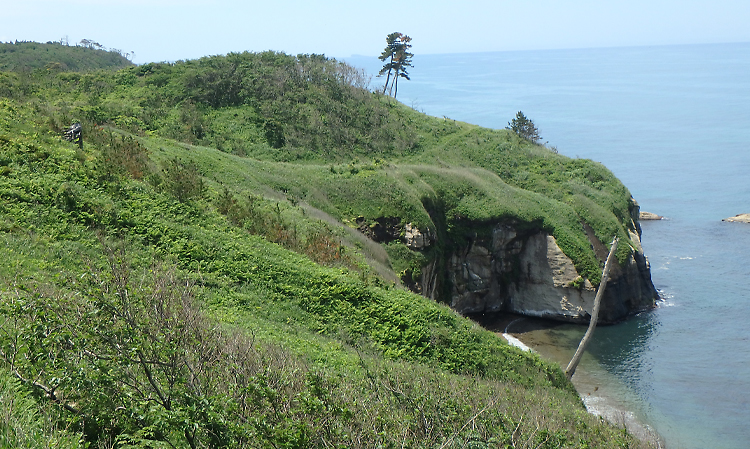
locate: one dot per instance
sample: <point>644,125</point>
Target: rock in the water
<point>741,218</point>
<point>649,216</point>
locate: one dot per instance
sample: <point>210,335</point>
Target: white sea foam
<point>666,299</point>
<point>600,406</point>
<point>513,341</point>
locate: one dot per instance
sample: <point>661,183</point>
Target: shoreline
<point>601,393</point>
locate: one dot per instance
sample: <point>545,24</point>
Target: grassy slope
<point>547,191</point>
<point>310,111</point>
<point>343,357</point>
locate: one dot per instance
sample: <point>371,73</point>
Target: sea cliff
<point>525,272</point>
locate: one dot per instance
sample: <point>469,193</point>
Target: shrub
<point>119,154</point>
<point>183,180</point>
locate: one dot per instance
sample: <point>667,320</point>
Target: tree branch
<point>47,391</point>
<point>152,381</point>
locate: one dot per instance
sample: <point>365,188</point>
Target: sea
<point>673,123</point>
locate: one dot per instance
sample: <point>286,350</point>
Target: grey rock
<point>527,273</point>
<point>649,216</point>
<point>741,218</point>
<point>416,239</point>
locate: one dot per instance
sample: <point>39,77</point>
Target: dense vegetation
<point>56,57</point>
<point>185,279</point>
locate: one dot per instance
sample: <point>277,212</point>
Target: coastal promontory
<point>229,253</point>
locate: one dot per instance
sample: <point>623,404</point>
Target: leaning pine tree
<point>398,59</point>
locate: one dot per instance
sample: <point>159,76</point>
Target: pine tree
<point>398,57</point>
<point>524,128</point>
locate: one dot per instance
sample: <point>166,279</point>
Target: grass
<point>26,424</point>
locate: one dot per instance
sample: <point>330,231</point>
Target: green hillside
<point>28,56</point>
<point>192,276</point>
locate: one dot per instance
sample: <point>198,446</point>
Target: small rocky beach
<point>601,392</point>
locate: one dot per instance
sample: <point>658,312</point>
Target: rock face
<point>416,239</point>
<point>527,273</point>
<point>523,272</point>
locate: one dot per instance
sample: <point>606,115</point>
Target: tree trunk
<point>594,314</point>
<point>387,80</point>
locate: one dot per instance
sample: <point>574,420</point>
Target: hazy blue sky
<point>166,30</point>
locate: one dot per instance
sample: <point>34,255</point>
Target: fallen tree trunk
<point>594,313</point>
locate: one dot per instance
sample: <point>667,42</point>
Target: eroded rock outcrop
<point>650,216</point>
<point>527,273</point>
<point>415,239</point>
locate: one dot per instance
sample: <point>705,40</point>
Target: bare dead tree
<point>594,313</point>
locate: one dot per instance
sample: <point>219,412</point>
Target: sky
<point>171,30</point>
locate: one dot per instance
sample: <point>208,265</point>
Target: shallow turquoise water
<point>673,123</point>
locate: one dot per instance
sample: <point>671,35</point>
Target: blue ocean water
<point>673,123</point>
